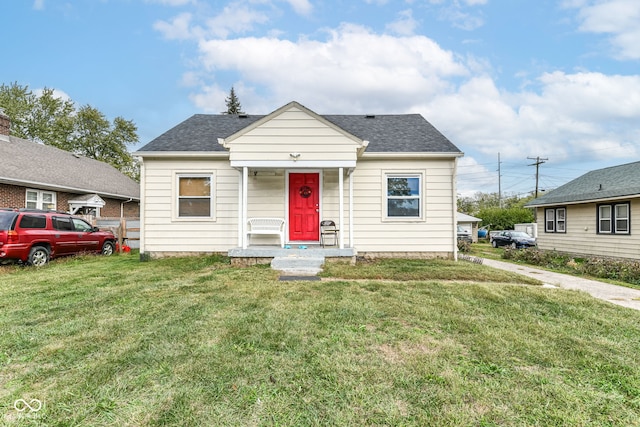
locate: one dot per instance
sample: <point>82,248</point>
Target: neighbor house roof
<point>35,165</point>
<point>608,183</point>
<point>397,133</point>
<point>463,217</point>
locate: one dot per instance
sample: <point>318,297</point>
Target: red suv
<point>35,236</point>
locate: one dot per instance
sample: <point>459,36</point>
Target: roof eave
<point>182,154</point>
<point>46,186</point>
<point>583,201</point>
<point>412,155</point>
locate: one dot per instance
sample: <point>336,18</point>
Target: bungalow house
<point>593,214</point>
<point>38,176</point>
<point>386,181</point>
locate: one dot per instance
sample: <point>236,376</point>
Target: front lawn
<point>194,341</point>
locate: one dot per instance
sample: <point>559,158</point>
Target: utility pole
<point>538,162</point>
<point>499,184</point>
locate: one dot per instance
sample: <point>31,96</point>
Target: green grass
<point>193,341</point>
<point>423,270</point>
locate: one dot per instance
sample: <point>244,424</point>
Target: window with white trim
<point>38,199</point>
<point>403,195</point>
<point>555,220</point>
<point>614,218</point>
<point>195,196</point>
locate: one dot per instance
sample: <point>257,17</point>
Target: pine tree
<point>233,103</point>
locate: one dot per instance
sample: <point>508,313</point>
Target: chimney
<point>5,123</point>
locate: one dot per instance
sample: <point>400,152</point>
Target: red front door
<point>304,199</point>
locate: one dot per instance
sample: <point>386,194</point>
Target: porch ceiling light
<point>294,156</point>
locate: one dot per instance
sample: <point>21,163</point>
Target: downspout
<point>454,195</point>
<point>143,255</point>
<point>122,207</point>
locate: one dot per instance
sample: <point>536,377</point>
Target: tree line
<point>86,131</point>
<point>497,213</point>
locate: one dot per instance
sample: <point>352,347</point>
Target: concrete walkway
<point>299,264</point>
<point>619,295</point>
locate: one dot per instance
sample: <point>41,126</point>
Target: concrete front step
<point>298,264</point>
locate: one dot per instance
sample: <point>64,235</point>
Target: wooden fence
<point>127,230</point>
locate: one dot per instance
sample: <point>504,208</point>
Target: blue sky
<point>559,80</point>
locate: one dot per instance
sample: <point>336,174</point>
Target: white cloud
<point>473,176</point>
<point>38,5</point>
<point>231,20</point>
<point>301,7</point>
<point>405,25</point>
<point>235,20</point>
<point>617,18</point>
<point>352,70</point>
<point>179,28</point>
<point>356,71</point>
<point>570,116</point>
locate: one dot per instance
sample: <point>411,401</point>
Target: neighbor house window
<point>404,195</point>
<point>195,196</point>
<point>613,219</point>
<point>37,199</point>
<point>555,220</point>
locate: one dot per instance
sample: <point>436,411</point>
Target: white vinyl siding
<point>293,132</point>
<point>267,197</point>
<point>433,233</point>
<point>165,231</point>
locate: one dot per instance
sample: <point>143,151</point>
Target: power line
<point>538,162</point>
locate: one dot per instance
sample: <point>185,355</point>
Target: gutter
<point>411,155</point>
<point>42,185</point>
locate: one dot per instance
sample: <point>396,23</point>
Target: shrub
<point>605,268</point>
<point>550,259</point>
<point>464,245</point>
<point>616,269</point>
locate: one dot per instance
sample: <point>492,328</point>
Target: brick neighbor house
<point>38,176</point>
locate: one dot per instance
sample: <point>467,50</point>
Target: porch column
<point>239,216</point>
<point>351,209</point>
<point>245,191</point>
<point>341,205</point>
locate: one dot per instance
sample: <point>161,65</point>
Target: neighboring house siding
<point>582,237</point>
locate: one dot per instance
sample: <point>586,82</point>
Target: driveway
<point>619,295</point>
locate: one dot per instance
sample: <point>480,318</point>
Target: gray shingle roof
<point>36,165</point>
<point>607,183</point>
<point>404,133</point>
